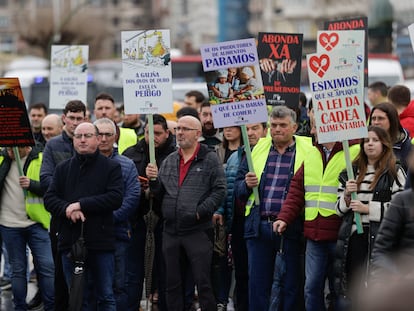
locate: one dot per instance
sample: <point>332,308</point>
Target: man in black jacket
<point>87,188</point>
<point>58,149</point>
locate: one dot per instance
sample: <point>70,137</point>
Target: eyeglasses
<point>87,135</point>
<point>184,129</point>
<point>107,134</point>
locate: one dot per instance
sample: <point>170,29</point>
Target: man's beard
<point>209,131</point>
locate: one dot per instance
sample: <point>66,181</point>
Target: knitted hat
<point>222,73</point>
<point>248,71</point>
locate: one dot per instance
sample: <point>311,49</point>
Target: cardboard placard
<point>146,71</point>
<point>337,96</point>
<point>281,82</point>
<point>68,75</point>
<point>15,129</point>
<point>356,23</point>
<point>231,105</point>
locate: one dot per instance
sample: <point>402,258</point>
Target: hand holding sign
<point>319,65</point>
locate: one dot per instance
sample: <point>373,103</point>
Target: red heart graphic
<point>328,41</point>
<point>319,65</point>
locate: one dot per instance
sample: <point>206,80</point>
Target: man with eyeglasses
<point>130,202</point>
<point>105,108</point>
<point>58,149</point>
<point>139,153</point>
<point>88,188</point>
<point>190,185</point>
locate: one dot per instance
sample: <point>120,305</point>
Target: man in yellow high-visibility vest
<point>275,159</point>
<point>314,188</point>
<point>24,221</point>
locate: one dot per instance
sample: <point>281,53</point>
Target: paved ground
<point>6,303</point>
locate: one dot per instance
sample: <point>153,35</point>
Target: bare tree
<point>37,33</point>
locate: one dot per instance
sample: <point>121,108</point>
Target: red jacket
<point>321,228</point>
<point>407,118</point>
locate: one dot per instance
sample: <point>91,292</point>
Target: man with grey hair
<point>131,197</point>
<point>275,158</point>
<point>191,186</point>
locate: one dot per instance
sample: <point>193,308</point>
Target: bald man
<point>189,193</point>
<point>86,189</point>
<point>52,126</point>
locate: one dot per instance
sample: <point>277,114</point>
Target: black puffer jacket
<point>139,153</point>
<point>393,250</point>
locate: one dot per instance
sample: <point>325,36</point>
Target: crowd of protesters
<point>182,227</point>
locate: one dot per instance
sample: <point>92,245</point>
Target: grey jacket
<point>202,192</point>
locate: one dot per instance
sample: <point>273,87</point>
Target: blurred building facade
<point>192,22</point>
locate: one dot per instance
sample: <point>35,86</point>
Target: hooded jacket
<point>407,118</point>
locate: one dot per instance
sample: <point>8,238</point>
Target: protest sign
<point>15,127</point>
<point>68,74</point>
<point>235,88</point>
<point>411,32</point>
<point>337,96</point>
<point>345,40</point>
<point>336,78</point>
<point>146,71</point>
<point>280,58</point>
<point>329,41</point>
<point>356,23</point>
<point>236,100</point>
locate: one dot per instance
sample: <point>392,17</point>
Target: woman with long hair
<point>385,115</point>
<point>377,178</point>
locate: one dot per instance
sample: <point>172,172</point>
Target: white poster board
<point>336,75</point>
<point>146,71</point>
<point>336,84</point>
<point>247,106</point>
<point>329,41</point>
<point>411,32</point>
<point>68,74</point>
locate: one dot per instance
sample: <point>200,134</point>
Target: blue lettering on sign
<point>148,93</point>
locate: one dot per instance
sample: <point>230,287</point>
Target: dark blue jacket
<point>232,166</point>
<point>402,149</point>
<point>96,183</point>
<point>57,149</point>
<point>130,201</point>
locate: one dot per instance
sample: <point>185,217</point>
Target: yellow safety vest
<point>127,138</point>
<point>321,186</point>
<point>261,152</point>
<point>35,208</point>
